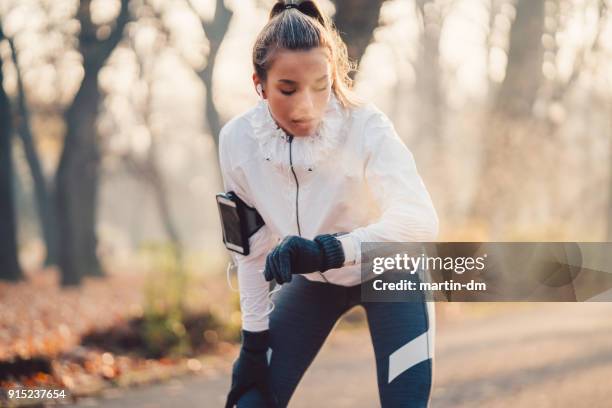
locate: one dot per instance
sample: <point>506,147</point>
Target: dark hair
<point>300,25</point>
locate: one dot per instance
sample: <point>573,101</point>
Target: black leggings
<point>305,313</point>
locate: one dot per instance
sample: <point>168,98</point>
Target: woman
<point>325,172</point>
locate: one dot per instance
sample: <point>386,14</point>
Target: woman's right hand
<point>251,369</point>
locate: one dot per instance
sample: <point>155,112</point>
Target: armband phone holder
<point>238,221</point>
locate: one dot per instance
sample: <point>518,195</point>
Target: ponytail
<point>309,8</point>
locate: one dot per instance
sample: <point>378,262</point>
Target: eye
<point>288,93</point>
<point>324,88</point>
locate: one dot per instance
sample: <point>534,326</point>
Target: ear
<point>259,88</point>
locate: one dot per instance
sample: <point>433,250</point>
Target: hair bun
<point>306,7</point>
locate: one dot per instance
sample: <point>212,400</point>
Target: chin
<point>299,131</point>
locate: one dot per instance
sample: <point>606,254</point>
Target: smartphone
<point>235,235</point>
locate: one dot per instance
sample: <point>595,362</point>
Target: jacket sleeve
<point>407,212</point>
<point>254,289</point>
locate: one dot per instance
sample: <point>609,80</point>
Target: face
<point>298,88</point>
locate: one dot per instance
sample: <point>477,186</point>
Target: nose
<point>305,107</point>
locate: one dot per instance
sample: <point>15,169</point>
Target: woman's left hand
<point>297,255</point>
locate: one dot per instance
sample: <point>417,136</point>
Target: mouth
<point>303,122</point>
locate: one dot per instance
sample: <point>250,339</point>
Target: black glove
<point>300,255</point>
<point>251,369</point>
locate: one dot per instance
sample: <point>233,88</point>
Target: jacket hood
<point>309,151</point>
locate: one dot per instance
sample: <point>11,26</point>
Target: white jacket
<point>355,175</point>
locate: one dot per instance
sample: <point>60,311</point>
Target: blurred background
<point>111,260</point>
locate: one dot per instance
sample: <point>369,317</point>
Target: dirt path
<point>547,355</point>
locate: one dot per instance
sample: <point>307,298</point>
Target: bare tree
<point>149,168</point>
<point>42,192</point>
<point>428,68</point>
<point>609,209</point>
<point>523,79</point>
<point>356,21</point>
<point>215,31</point>
<point>510,119</point>
<point>77,175</point>
<point>9,265</point>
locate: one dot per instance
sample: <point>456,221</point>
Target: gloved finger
<point>232,399</point>
<point>268,396</point>
<point>278,272</point>
<point>268,271</point>
<point>272,271</point>
<point>285,265</point>
<point>271,265</point>
<point>286,241</point>
<point>235,394</point>
<point>274,265</point>
<point>262,384</point>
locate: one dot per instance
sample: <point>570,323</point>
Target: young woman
<point>326,173</point>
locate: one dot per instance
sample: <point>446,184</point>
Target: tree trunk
<point>44,203</point>
<point>152,170</point>
<point>609,225</point>
<point>212,114</point>
<point>524,70</point>
<point>510,123</point>
<point>428,84</point>
<point>77,175</point>
<point>161,198</point>
<point>77,180</point>
<point>215,30</point>
<point>9,264</point>
<point>356,21</point>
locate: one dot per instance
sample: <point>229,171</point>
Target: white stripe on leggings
<point>416,350</point>
<point>410,354</point>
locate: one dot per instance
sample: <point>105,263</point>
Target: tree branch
<point>95,52</point>
<point>561,90</point>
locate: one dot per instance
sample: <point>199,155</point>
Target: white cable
<point>230,266</point>
<point>267,313</point>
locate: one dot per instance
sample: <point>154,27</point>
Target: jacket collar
<point>307,152</point>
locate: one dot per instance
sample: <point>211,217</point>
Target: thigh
<point>402,336</point>
<point>304,314</point>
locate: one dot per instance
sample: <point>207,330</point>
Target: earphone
<point>260,90</point>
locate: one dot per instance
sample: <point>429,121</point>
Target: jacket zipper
<point>297,190</point>
<point>297,193</point>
